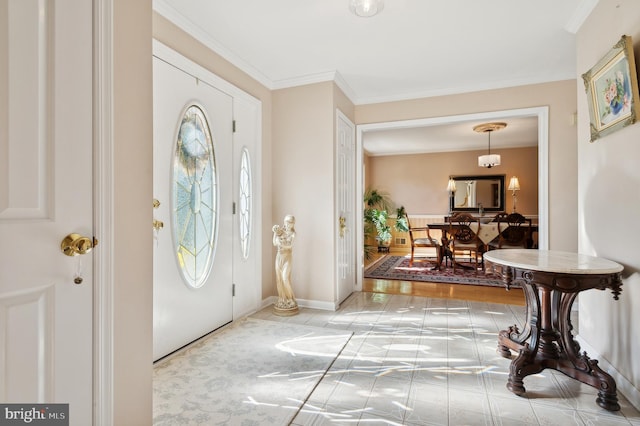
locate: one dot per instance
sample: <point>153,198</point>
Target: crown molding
<point>346,89</point>
<point>170,13</point>
<point>462,89</point>
<point>304,80</point>
<point>334,76</point>
<point>580,15</point>
<point>167,11</point>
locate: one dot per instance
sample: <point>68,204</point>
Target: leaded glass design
<point>194,200</point>
<point>245,202</point>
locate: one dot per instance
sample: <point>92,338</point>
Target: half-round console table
<point>551,281</point>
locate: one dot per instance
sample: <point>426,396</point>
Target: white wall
<point>609,206</point>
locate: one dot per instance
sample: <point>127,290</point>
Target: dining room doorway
<point>541,114</point>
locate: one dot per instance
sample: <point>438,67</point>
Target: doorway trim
<point>103,207</point>
<point>345,196</point>
<point>542,113</point>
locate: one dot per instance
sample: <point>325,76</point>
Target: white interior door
<point>45,194</point>
<point>345,193</point>
<point>192,178</point>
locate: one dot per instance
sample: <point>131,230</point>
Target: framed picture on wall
<point>612,90</point>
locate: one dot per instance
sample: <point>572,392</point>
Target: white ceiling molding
<point>357,90</point>
<point>581,14</point>
<point>346,89</point>
<point>462,89</point>
<point>167,11</point>
<point>304,80</point>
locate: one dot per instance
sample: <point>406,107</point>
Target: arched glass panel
<point>245,196</point>
<point>194,198</point>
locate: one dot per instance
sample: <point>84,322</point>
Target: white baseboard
<point>313,304</point>
<point>268,301</point>
<point>625,387</point>
<point>316,304</point>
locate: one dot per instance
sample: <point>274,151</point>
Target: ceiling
<point>520,132</point>
<point>412,49</point>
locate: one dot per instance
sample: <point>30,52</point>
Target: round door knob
<point>75,244</point>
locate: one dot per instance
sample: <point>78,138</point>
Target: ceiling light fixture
<point>366,8</point>
<point>489,160</point>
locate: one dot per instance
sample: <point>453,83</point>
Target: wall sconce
<point>451,187</point>
<point>514,185</point>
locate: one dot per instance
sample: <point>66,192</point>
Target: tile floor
<point>425,361</point>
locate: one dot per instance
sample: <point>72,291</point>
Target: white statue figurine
<point>283,240</point>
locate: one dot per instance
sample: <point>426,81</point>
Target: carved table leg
<point>524,364</point>
<point>512,338</point>
<point>579,366</point>
<point>551,345</point>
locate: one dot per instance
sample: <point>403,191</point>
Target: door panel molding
<point>27,322</point>
<point>345,207</point>
<point>26,111</point>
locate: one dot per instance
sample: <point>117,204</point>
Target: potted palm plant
<point>383,230</point>
<point>375,202</point>
<point>376,215</point>
<point>402,221</point>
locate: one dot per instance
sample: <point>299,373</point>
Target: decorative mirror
<point>473,193</point>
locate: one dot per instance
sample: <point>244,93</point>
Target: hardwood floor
<point>514,296</point>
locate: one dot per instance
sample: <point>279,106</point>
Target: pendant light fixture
<point>489,160</point>
<point>366,8</point>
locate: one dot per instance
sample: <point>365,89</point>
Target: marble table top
<point>553,261</point>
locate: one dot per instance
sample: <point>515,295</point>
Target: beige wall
<point>419,182</point>
<point>609,202</point>
<point>561,99</point>
<point>132,263</point>
<point>343,103</point>
<point>303,152</point>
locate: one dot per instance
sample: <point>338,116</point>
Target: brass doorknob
<point>75,244</point>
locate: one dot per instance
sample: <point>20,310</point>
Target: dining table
<point>551,281</point>
<point>487,232</point>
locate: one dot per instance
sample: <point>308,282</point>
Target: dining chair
<point>500,217</point>
<point>514,231</point>
<point>464,240</point>
<point>420,237</point>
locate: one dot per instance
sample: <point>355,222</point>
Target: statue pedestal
<point>285,310</point>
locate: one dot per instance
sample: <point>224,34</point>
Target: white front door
<point>192,181</point>
<point>46,193</point>
<point>345,203</point>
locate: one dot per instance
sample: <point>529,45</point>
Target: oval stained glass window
<point>245,196</point>
<point>194,198</point>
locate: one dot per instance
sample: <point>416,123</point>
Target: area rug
<point>253,372</point>
<point>397,268</point>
